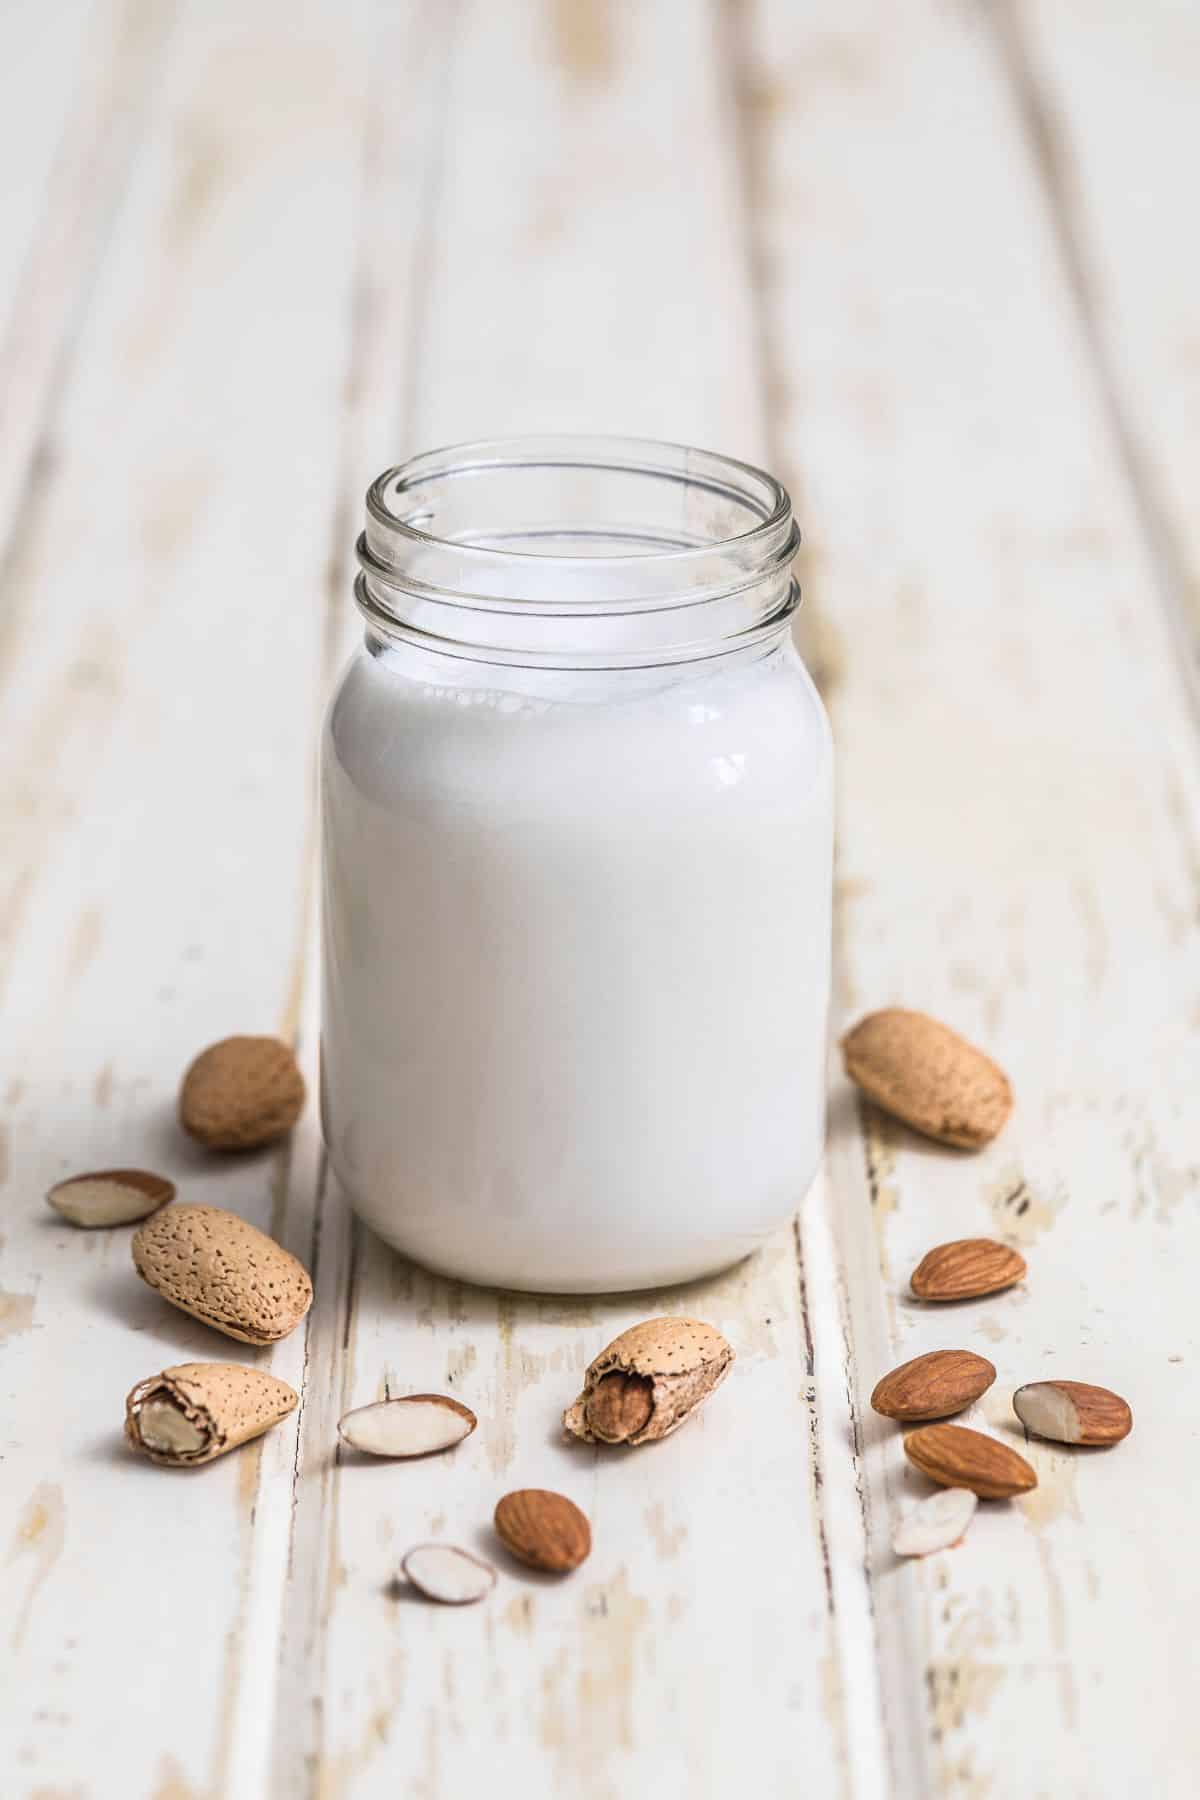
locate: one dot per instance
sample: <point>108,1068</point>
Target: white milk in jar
<point>577,847</point>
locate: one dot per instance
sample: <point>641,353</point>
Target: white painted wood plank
<point>584,271</point>
<point>159,735</point>
<point>1018,813</point>
<point>75,81</point>
<point>1111,93</point>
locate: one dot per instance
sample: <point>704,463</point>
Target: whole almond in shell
<point>648,1381</point>
<point>933,1386</point>
<point>212,1264</point>
<point>195,1412</point>
<point>241,1093</point>
<point>1073,1412</point>
<point>110,1197</point>
<point>543,1529</point>
<point>922,1072</point>
<point>955,1456</point>
<point>966,1269</point>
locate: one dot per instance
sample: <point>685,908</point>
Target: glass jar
<point>577,868</point>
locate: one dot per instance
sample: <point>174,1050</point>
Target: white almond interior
<point>99,1202</point>
<point>163,1428</point>
<point>1049,1412</point>
<point>404,1427</point>
<point>444,1573</point>
<point>935,1523</point>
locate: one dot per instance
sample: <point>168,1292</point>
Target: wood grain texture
<point>1017,854</point>
<point>159,734</point>
<point>253,254</point>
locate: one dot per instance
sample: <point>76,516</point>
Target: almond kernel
<point>933,1386</point>
<point>966,1269</point>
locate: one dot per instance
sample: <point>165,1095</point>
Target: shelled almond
<point>1073,1412</point>
<point>966,1269</point>
<point>956,1456</point>
<point>935,1522</point>
<point>933,1386</point>
<point>543,1529</point>
<point>110,1197</point>
<point>409,1425</point>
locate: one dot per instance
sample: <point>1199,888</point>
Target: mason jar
<point>577,868</point>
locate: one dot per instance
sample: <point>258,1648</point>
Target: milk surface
<point>577,938</point>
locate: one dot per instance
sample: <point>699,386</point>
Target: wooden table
<point>937,266</point>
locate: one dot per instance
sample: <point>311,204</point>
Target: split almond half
<point>922,1072</point>
<point>966,1269</point>
<point>110,1197</point>
<point>410,1425</point>
<point>935,1523</point>
<point>543,1529</point>
<point>195,1412</point>
<point>934,1385</point>
<point>955,1456</point>
<point>1073,1412</point>
<point>648,1381</point>
<point>451,1576</point>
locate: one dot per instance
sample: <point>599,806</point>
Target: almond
<point>543,1529</point>
<point>409,1425</point>
<point>212,1264</point>
<point>110,1197</point>
<point>924,1073</point>
<point>444,1573</point>
<point>1073,1412</point>
<point>958,1457</point>
<point>934,1385</point>
<point>241,1093</point>
<point>935,1522</point>
<point>965,1269</point>
<point>195,1412</point>
<point>648,1381</point>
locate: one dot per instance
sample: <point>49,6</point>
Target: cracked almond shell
<point>920,1071</point>
<point>207,1408</point>
<point>241,1093</point>
<point>212,1264</point>
<point>648,1381</point>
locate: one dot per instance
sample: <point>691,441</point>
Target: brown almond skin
<point>955,1456</point>
<point>619,1407</point>
<point>1102,1416</point>
<point>933,1386</point>
<point>229,1403</point>
<point>676,1362</point>
<point>921,1071</point>
<point>241,1093</point>
<point>543,1529</point>
<point>210,1263</point>
<point>966,1269</point>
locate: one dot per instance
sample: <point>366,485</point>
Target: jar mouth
<point>560,548</point>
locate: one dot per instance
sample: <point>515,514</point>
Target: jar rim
<point>711,572</point>
<point>648,456</point>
